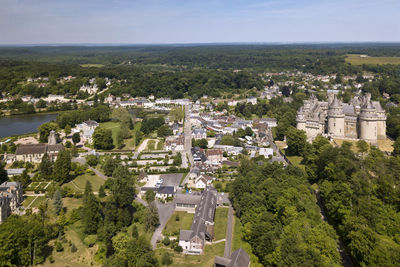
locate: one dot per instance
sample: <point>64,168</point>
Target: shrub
<point>177,218</point>
<point>166,241</point>
<point>90,240</point>
<point>51,259</point>
<point>73,248</point>
<point>178,249</point>
<point>58,246</point>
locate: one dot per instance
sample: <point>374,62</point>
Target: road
<point>164,212</point>
<point>229,232</point>
<point>188,141</point>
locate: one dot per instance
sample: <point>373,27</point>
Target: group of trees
<point>280,217</point>
<point>361,195</point>
<point>100,113</point>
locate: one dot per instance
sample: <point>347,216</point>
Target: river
<point>22,124</point>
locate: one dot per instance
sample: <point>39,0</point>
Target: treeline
<point>318,58</point>
<point>100,113</point>
<point>361,194</point>
<point>281,219</point>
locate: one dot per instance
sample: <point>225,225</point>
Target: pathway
<point>164,212</point>
<point>229,232</point>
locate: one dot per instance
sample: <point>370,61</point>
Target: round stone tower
<point>335,118</point>
<point>368,121</point>
<point>381,121</point>
<point>300,119</point>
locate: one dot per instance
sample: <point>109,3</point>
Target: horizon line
<point>200,43</point>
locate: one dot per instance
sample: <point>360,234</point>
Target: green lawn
<point>27,201</point>
<point>39,200</point>
<point>114,127</point>
<point>81,258</point>
<point>238,242</point>
<point>204,260</point>
<point>79,183</point>
<point>355,59</point>
<point>173,226</point>
<point>220,223</point>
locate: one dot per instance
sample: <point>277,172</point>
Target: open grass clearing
<point>79,183</point>
<point>356,59</point>
<point>27,201</point>
<point>82,257</point>
<point>184,223</point>
<point>239,242</point>
<point>37,201</point>
<point>220,223</point>
<point>204,260</point>
<point>114,127</point>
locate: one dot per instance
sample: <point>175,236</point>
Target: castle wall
<point>336,126</point>
<point>381,130</point>
<point>368,130</point>
<point>350,129</point>
<point>301,126</point>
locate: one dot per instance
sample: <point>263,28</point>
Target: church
<point>34,152</point>
<point>361,118</point>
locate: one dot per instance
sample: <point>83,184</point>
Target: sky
<point>197,21</point>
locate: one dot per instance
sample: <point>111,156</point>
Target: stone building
<point>35,152</point>
<point>361,118</point>
<point>11,197</point>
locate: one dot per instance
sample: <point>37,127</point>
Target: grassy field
<point>383,145</point>
<point>79,183</point>
<point>82,257</point>
<point>355,59</point>
<point>114,127</point>
<point>173,226</point>
<point>220,223</point>
<point>27,201</point>
<point>238,242</point>
<point>92,65</point>
<point>39,200</point>
<point>204,260</point>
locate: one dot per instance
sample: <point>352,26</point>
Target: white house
<point>252,100</point>
<point>199,133</point>
<point>266,152</point>
<point>203,181</point>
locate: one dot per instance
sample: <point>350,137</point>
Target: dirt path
<point>143,145</point>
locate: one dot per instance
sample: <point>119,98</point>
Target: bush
<point>58,246</point>
<point>90,240</point>
<point>177,218</point>
<point>166,241</point>
<point>73,248</point>
<point>178,249</point>
<point>51,259</point>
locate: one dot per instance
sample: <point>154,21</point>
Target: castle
<point>360,119</point>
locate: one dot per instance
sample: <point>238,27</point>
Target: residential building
<point>164,192</point>
<point>173,143</point>
<point>239,258</point>
<point>187,202</point>
<point>199,133</point>
<point>214,155</point>
<point>203,181</point>
<point>193,241</point>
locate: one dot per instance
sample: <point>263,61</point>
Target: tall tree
<point>76,138</point>
<point>103,138</point>
<point>62,166</point>
<point>46,166</point>
<point>3,173</point>
<point>45,129</point>
<point>57,201</point>
<point>91,215</point>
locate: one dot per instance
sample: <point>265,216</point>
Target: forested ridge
<point>280,216</point>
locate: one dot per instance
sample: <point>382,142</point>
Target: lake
<point>22,124</point>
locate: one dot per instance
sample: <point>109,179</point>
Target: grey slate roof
<point>239,258</point>
<point>169,190</point>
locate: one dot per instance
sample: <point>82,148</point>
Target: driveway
<point>164,212</point>
<point>229,231</point>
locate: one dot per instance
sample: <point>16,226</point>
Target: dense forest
<point>281,219</point>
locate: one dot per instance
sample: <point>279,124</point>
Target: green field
<point>39,200</point>
<point>173,226</point>
<point>220,223</point>
<point>204,260</point>
<point>92,65</point>
<point>79,183</point>
<point>238,242</point>
<point>355,59</point>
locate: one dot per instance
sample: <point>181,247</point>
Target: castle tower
<point>335,118</point>
<point>52,140</point>
<point>368,121</point>
<point>381,121</point>
<point>301,120</point>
